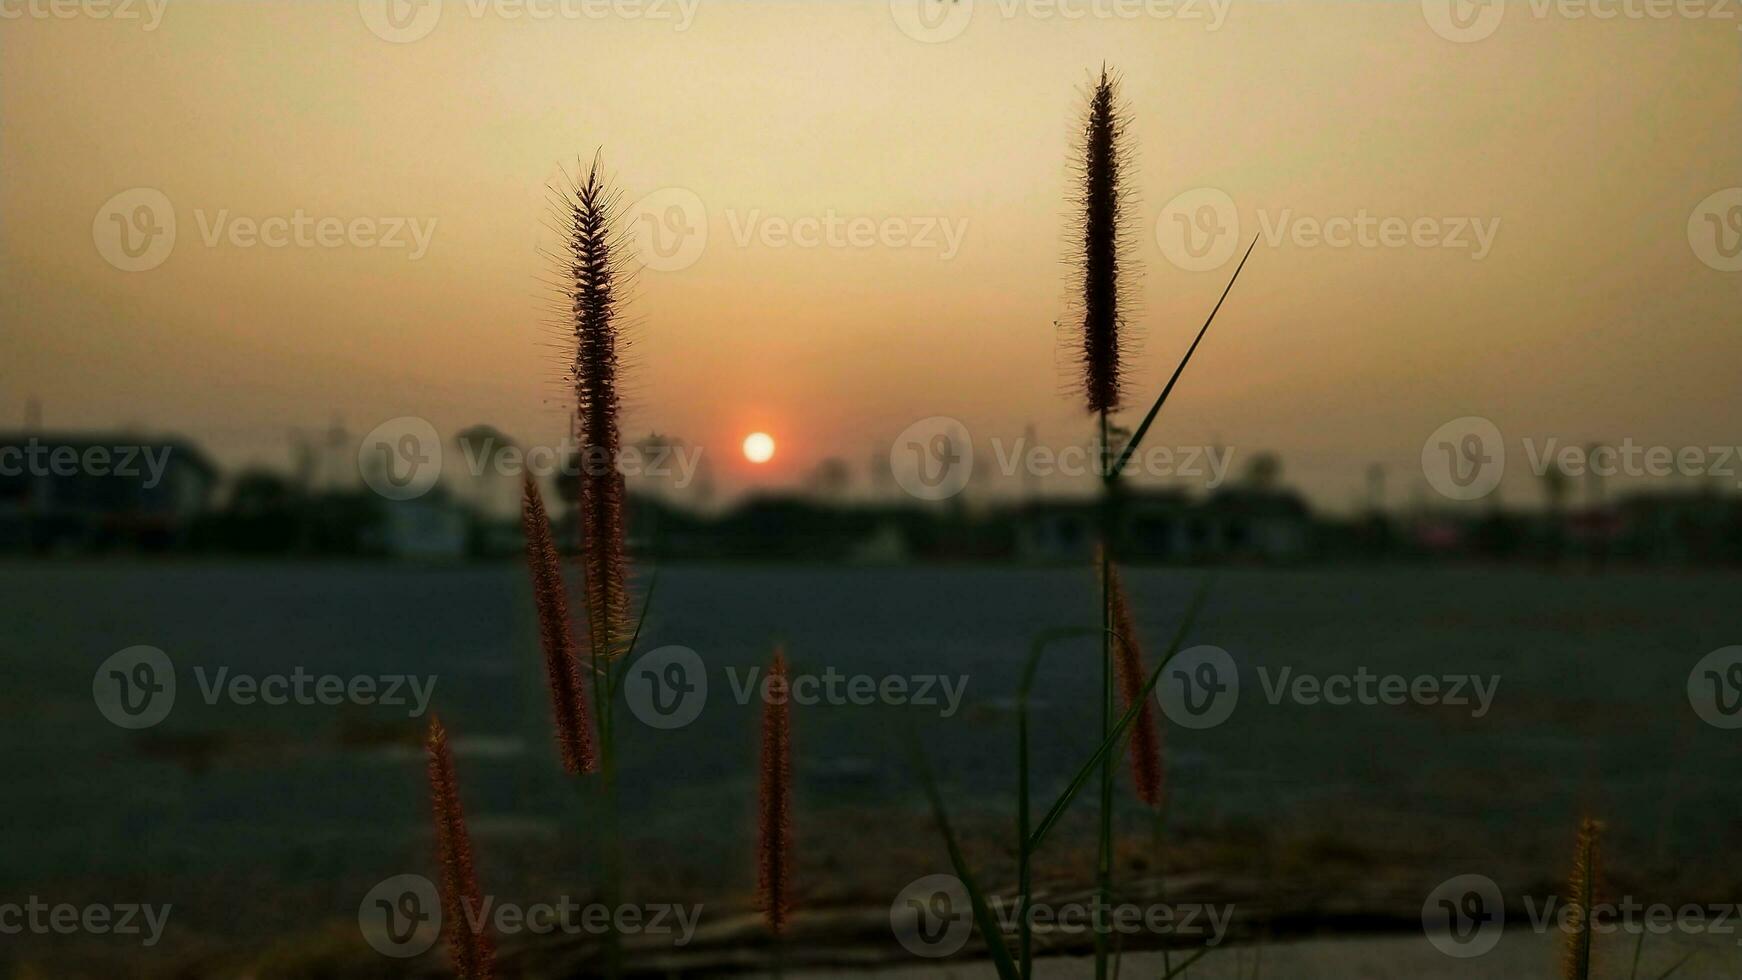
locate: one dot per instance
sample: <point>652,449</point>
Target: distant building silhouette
<point>95,490</point>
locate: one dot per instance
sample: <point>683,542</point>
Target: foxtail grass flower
<point>1146,760</point>
<point>1582,887</point>
<point>1100,243</point>
<point>593,279</point>
<point>568,696</point>
<point>471,950</point>
<point>775,824</point>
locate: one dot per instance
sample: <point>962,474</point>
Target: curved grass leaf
<point>1117,734</point>
<point>1154,410</point>
<point>983,917</point>
<point>1042,640</point>
<point>1202,952</point>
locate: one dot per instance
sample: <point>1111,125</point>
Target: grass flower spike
<point>1581,896</point>
<point>593,279</point>
<point>471,950</point>
<point>1146,761</point>
<point>775,823</point>
<point>1101,202</point>
<point>568,697</point>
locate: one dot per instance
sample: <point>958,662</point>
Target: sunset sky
<point>1586,147</point>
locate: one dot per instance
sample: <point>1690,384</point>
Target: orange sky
<point>1586,146</point>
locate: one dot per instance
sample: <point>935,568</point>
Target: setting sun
<point>758,447</point>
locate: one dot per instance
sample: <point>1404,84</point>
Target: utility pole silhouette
<point>1376,487</point>
<point>1593,479</point>
<point>1028,484</point>
<point>882,476</point>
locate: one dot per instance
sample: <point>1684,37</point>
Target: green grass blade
<point>983,917</point>
<point>646,604</point>
<point>1104,828</point>
<point>1154,410</point>
<point>1078,781</point>
<point>1202,952</point>
<point>1678,965</point>
<point>1042,640</point>
<point>613,677</point>
<point>1037,647</point>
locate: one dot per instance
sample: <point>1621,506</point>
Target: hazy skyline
<point>1571,157</point>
